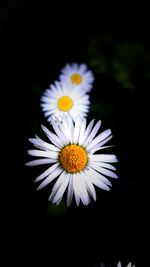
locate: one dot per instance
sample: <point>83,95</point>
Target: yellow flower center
<point>73,158</point>
<point>64,103</point>
<point>76,78</point>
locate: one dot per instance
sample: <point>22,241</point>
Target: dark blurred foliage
<point>127,62</point>
<point>36,42</point>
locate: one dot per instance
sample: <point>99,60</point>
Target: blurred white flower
<point>119,265</point>
<point>64,98</point>
<point>79,75</point>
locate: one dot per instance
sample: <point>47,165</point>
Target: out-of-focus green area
<point>124,60</point>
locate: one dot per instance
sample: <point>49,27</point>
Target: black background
<point>37,41</point>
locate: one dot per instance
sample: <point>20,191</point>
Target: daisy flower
<point>62,99</point>
<point>119,265</point>
<point>78,75</point>
<point>71,157</point>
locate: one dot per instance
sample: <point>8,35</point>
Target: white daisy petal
<point>87,131</point>
<point>83,191</point>
<point>39,143</point>
<point>47,172</point>
<point>76,130</point>
<point>40,153</point>
<point>93,133</point>
<point>92,149</point>
<point>98,179</point>
<point>52,137</point>
<point>58,183</point>
<point>70,191</point>
<point>89,186</point>
<point>61,189</point>
<point>82,131</point>
<point>58,132</point>
<point>76,189</point>
<point>99,139</point>
<point>50,178</point>
<point>106,165</point>
<point>40,162</point>
<point>82,68</point>
<point>103,158</point>
<point>104,171</point>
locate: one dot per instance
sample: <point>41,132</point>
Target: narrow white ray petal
<point>50,178</point>
<point>129,265</point>
<point>105,140</point>
<point>58,201</point>
<point>105,165</point>
<point>56,186</point>
<point>98,149</point>
<point>100,177</point>
<point>61,189</point>
<point>82,131</point>
<point>70,123</point>
<point>96,179</point>
<point>76,189</point>
<point>83,191</point>
<point>40,162</point>
<point>49,146</point>
<point>66,130</point>
<point>70,191</point>
<point>89,185</point>
<point>76,130</point>
<point>47,172</point>
<point>40,153</point>
<point>99,138</point>
<point>82,68</point>
<point>48,113</point>
<point>92,134</point>
<point>103,158</point>
<point>39,143</point>
<point>119,264</point>
<point>87,131</point>
<point>93,148</point>
<point>52,137</point>
<point>103,171</point>
<point>58,132</point>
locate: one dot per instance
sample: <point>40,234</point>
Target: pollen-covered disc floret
<point>79,75</point>
<point>64,98</point>
<point>73,158</point>
<point>70,154</point>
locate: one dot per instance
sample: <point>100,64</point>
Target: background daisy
<point>64,98</point>
<point>119,264</point>
<point>79,75</point>
<point>72,159</point>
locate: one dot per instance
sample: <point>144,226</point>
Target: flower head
<point>72,159</point>
<point>62,99</point>
<point>79,75</point>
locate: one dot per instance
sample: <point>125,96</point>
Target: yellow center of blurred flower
<point>73,158</point>
<point>64,103</point>
<point>76,78</point>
